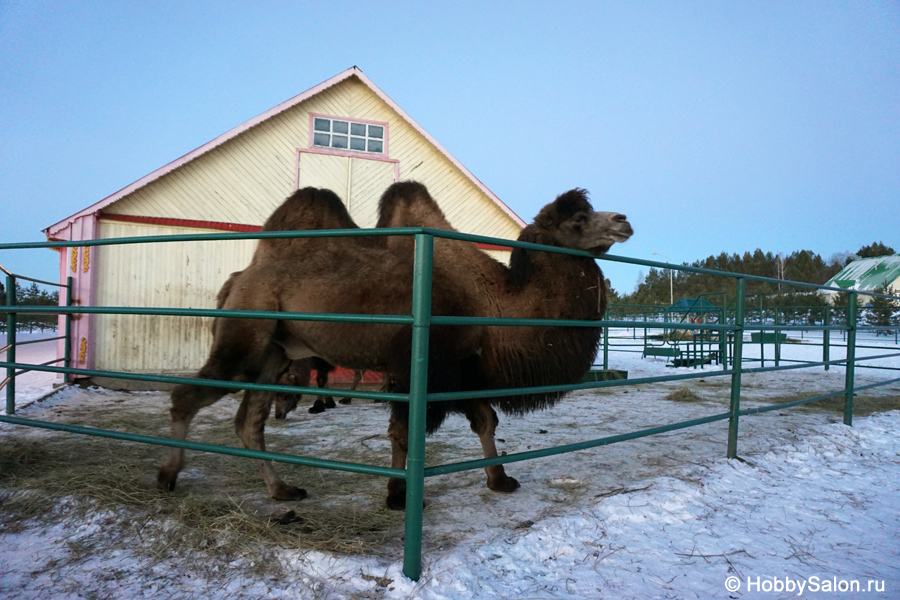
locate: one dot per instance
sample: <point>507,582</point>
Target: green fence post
<point>606,341</point>
<point>415,462</point>
<point>762,335</point>
<point>11,318</point>
<point>723,337</point>
<point>851,358</point>
<point>737,354</point>
<point>67,353</point>
<point>826,338</point>
<point>777,337</point>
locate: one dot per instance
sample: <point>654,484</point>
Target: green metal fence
<point>731,328</point>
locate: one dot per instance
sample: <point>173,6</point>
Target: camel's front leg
<point>249,423</point>
<point>297,375</point>
<point>321,402</point>
<point>483,420</point>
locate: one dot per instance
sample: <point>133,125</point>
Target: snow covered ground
<point>811,510</point>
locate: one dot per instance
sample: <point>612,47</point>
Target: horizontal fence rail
<point>724,336</point>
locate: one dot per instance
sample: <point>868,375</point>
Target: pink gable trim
<point>54,230</point>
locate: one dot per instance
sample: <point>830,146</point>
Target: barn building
<point>867,275</point>
<point>344,134</point>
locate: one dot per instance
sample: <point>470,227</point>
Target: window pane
<point>376,146</point>
<point>358,144</point>
<point>322,125</point>
<point>376,131</point>
<point>339,141</point>
<point>321,139</point>
<point>358,129</point>
<point>339,126</point>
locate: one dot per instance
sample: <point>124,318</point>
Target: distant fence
<point>729,331</point>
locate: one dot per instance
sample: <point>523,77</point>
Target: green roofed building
<point>868,275</point>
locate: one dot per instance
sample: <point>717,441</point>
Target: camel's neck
<point>557,287</point>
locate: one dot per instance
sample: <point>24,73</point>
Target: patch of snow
<point>33,385</point>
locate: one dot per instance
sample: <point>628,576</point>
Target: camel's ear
<point>570,203</point>
<point>520,258</point>
<point>562,209</point>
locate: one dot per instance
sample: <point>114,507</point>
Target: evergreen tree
<point>874,249</point>
<point>881,312</point>
<point>612,296</point>
<point>33,295</point>
<point>804,266</point>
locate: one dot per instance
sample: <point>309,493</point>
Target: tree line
<point>31,295</point>
<point>804,266</point>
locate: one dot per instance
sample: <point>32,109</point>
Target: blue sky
<point>715,126</point>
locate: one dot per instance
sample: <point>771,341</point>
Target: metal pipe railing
<point>421,320</point>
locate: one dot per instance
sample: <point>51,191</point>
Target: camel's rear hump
<point>408,204</point>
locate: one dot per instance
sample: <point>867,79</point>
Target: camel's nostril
<point>620,218</point>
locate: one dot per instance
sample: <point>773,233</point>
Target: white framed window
<point>345,134</point>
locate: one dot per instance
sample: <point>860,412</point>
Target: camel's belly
<point>375,347</point>
<point>296,349</point>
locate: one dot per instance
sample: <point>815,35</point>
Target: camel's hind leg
<point>483,420</point>
<point>187,400</point>
<point>249,423</point>
<point>239,353</point>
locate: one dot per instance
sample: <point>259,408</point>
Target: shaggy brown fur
<point>371,276</point>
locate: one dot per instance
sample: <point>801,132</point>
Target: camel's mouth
<point>618,234</point>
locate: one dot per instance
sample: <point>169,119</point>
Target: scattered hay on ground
<point>220,509</point>
<point>684,394</point>
<point>863,405</point>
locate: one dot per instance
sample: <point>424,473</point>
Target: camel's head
<point>571,222</point>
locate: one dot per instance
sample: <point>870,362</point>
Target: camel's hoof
<point>165,482</point>
<point>506,485</point>
<point>286,493</point>
<point>345,400</point>
<point>280,415</point>
<point>329,402</point>
<point>317,407</point>
<point>396,498</point>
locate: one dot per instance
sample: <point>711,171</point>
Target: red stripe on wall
<point>342,375</point>
<point>219,226</point>
<point>181,223</point>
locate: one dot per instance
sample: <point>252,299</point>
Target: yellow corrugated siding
<point>369,180</point>
<point>323,171</point>
<point>169,275</point>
